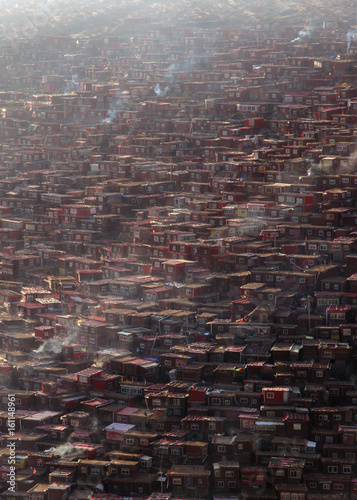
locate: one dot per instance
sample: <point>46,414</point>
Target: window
<point>346,469</point>
<point>195,427</point>
<point>229,473</point>
<point>297,427</point>
<point>231,484</point>
<point>326,486</point>
<point>332,469</point>
<point>295,473</point>
<point>279,473</point>
<point>220,484</point>
<point>221,449</point>
<point>176,480</point>
<point>270,395</point>
<point>125,472</point>
<point>216,401</point>
<point>212,426</point>
<point>338,486</point>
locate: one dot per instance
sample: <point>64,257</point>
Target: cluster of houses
<point>178,264</point>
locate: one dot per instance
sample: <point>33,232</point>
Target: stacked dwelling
<point>179,264</point>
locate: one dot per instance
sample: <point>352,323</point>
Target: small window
<point>338,486</point>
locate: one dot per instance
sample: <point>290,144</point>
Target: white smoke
<point>49,346</point>
<point>351,35</point>
<point>101,364</point>
<point>63,450</point>
<point>169,72</point>
<point>66,450</point>
<point>118,105</point>
<point>111,116</point>
<point>72,85</point>
<point>351,165</point>
<point>322,168</point>
<point>303,33</point>
<point>158,90</point>
<point>54,345</point>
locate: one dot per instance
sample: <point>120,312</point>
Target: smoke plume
<point>303,33</point>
